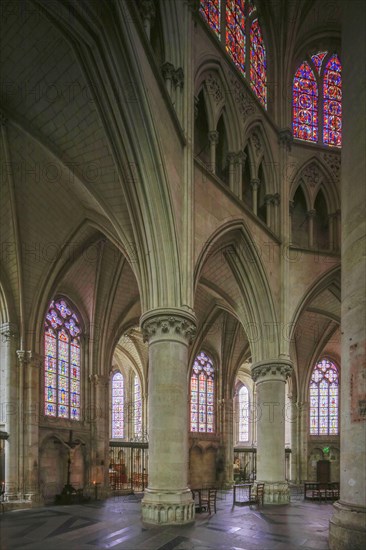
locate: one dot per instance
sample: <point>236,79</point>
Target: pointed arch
<point>117,405</point>
<point>324,399</point>
<point>202,391</point>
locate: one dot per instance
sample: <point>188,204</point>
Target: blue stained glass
<point>202,394</point>
<point>324,399</point>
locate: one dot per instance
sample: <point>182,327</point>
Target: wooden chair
<point>208,500</point>
<point>257,496</point>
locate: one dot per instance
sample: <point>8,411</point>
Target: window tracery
<point>62,361</point>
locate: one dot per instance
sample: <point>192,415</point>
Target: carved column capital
<point>8,332</point>
<point>272,370</point>
<point>213,137</point>
<point>178,78</point>
<point>98,379</point>
<point>147,8</point>
<point>255,183</point>
<point>231,157</point>
<point>168,70</point>
<point>268,199</point>
<point>168,324</point>
<point>241,157</point>
<point>311,213</point>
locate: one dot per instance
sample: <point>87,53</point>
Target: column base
<point>347,527</point>
<point>275,492</point>
<point>167,508</point>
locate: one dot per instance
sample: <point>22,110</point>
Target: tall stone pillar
<point>228,429</point>
<point>32,363</point>
<point>100,432</point>
<point>348,524</point>
<point>213,138</point>
<point>10,407</point>
<point>270,379</point>
<point>255,183</point>
<point>168,499</point>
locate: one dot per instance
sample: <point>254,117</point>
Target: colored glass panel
<point>332,106</point>
<point>235,32</point>
<point>317,59</point>
<point>258,63</point>
<point>137,407</point>
<point>202,395</point>
<point>305,104</point>
<point>117,405</point>
<point>210,11</point>
<point>323,393</point>
<point>243,414</point>
<point>62,362</point>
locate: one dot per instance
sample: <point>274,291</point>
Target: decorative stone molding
<point>8,332</point>
<point>347,526</point>
<point>241,157</point>
<point>167,508</point>
<point>268,199</point>
<point>167,323</point>
<point>244,103</point>
<point>214,88</point>
<point>28,357</point>
<point>256,142</point>
<point>98,379</point>
<point>334,163</point>
<point>276,199</point>
<point>285,138</point>
<point>311,175</point>
<point>311,213</point>
<point>272,369</point>
<point>275,492</point>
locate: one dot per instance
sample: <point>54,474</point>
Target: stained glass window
<point>210,11</point>
<point>137,407</point>
<point>235,32</point>
<point>305,104</point>
<point>62,362</point>
<point>202,394</point>
<point>258,63</point>
<point>324,392</point>
<point>117,405</point>
<point>317,59</point>
<point>243,414</point>
<point>332,107</point>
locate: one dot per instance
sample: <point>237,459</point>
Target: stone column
<point>178,81</point>
<point>232,162</point>
<point>332,227</point>
<point>255,183</point>
<point>241,157</point>
<point>10,407</point>
<point>100,432</point>
<point>213,138</point>
<point>311,215</point>
<point>348,524</point>
<point>32,363</point>
<point>228,434</point>
<point>168,500</point>
<point>268,200</point>
<point>270,379</point>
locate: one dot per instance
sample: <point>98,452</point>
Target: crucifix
<point>71,446</point>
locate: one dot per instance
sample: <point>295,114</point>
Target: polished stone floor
<point>115,523</point>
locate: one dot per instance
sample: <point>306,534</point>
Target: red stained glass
<point>317,59</point>
<point>332,106</point>
<point>210,11</point>
<point>258,63</point>
<point>235,32</point>
<point>305,104</point>
<point>323,392</point>
<point>202,395</point>
<point>61,383</point>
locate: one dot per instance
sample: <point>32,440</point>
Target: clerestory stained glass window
<point>317,88</point>
<point>202,394</point>
<point>117,405</point>
<point>62,361</point>
<point>332,106</point>
<point>239,28</point>
<point>258,63</point>
<point>235,32</point>
<point>243,414</point>
<point>305,104</point>
<point>324,396</point>
<point>210,11</point>
<point>137,407</point>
